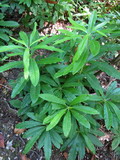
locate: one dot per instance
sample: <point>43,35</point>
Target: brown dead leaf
<point>2,143</point>
<point>93,157</point>
<point>88,151</point>
<point>24,157</point>
<point>18,131</point>
<point>65,154</point>
<point>2,81</point>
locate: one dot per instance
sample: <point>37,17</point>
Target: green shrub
<point>62,100</point>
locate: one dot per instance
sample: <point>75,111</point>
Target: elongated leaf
<point>100,25</point>
<point>52,98</point>
<point>94,82</point>
<point>75,24</point>
<point>63,71</point>
<point>81,48</point>
<point>86,109</point>
<point>89,144</point>
<point>33,34</point>
<point>107,116</point>
<point>105,67</point>
<point>95,140</point>
<point>18,41</point>
<point>24,37</point>
<point>31,142</point>
<point>94,47</point>
<point>116,109</point>
<point>10,65</point>
<point>26,62</point>
<point>19,87</point>
<point>67,124</point>
<point>47,146</point>
<point>27,124</point>
<point>50,60</point>
<point>81,98</point>
<point>63,40</point>
<point>77,65</point>
<point>48,80</point>
<point>55,120</point>
<point>34,93</point>
<point>92,21</point>
<point>34,72</point>
<point>51,48</point>
<point>9,48</point>
<point>9,24</point>
<point>31,132</point>
<point>81,119</point>
<point>115,143</point>
<point>101,33</point>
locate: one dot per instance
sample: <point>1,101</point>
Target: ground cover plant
<point>58,95</point>
<point>61,100</point>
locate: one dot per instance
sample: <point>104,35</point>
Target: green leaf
<point>31,132</point>
<point>63,71</point>
<point>51,48</point>
<point>18,41</point>
<point>10,65</point>
<point>9,24</point>
<point>33,34</point>
<point>100,25</point>
<point>63,40</point>
<point>24,37</point>
<point>9,48</point>
<point>67,124</point>
<point>31,142</point>
<point>105,67</point>
<point>94,47</point>
<point>77,25</point>
<point>16,103</point>
<point>19,87</point>
<point>95,140</point>
<point>26,62</point>
<point>101,33</point>
<point>47,146</point>
<point>115,108</point>
<point>52,98</point>
<point>77,65</point>
<point>94,82</point>
<point>50,60</point>
<point>89,143</point>
<point>81,48</point>
<point>115,143</point>
<point>48,80</point>
<point>92,21</point>
<point>86,109</point>
<point>34,72</point>
<point>81,98</point>
<point>81,119</point>
<point>27,124</point>
<point>56,119</point>
<point>107,116</point>
<point>34,92</point>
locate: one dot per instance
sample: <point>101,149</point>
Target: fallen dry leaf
<point>24,157</point>
<point>2,81</point>
<point>65,154</point>
<point>18,131</point>
<point>93,157</point>
<point>2,143</point>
